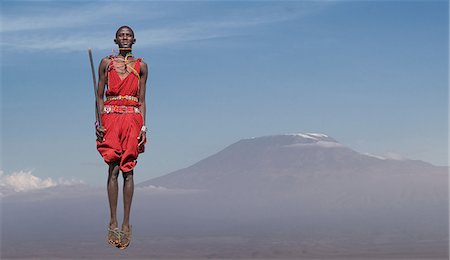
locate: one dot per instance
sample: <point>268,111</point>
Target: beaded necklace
<point>124,66</point>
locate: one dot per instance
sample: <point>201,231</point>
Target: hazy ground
<point>75,228</point>
<point>277,197</point>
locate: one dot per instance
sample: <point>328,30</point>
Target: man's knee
<point>112,177</point>
<point>128,176</point>
<point>113,172</point>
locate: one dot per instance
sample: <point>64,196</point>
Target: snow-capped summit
<point>314,136</point>
<point>290,140</point>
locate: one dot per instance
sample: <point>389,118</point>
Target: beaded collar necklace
<point>124,66</point>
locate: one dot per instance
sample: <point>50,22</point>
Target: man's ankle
<point>126,226</point>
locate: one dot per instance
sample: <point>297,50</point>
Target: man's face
<point>124,38</point>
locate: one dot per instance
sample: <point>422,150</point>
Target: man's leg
<point>128,189</point>
<point>113,190</point>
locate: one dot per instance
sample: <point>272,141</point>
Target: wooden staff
<point>97,110</point>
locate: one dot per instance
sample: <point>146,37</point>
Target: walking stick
<point>97,110</point>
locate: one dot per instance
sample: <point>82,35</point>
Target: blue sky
<point>371,74</point>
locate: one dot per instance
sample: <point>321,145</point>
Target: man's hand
<point>100,132</point>
<point>142,139</point>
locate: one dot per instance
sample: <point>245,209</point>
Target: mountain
<point>311,174</point>
<point>291,162</point>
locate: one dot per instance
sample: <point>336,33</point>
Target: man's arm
<point>142,89</point>
<point>101,83</point>
<point>100,93</point>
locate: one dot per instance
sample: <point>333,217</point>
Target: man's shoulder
<point>109,57</point>
<point>106,59</point>
<point>142,61</point>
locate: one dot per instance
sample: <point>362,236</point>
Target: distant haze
<point>284,196</point>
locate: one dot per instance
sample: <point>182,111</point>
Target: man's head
<point>124,37</point>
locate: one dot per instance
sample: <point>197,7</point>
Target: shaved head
<point>124,27</point>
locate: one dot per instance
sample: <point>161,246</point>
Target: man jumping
<point>123,134</point>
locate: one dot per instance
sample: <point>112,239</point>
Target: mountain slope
<point>283,162</point>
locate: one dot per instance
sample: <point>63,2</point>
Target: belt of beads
<point>120,109</point>
<point>122,97</point>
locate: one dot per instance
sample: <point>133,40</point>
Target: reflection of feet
<point>113,235</point>
<point>125,237</point>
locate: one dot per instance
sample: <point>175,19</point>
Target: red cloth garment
<point>122,129</point>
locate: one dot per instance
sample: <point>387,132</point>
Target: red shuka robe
<point>122,129</point>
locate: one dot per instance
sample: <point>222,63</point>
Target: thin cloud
<point>54,18</point>
<point>72,30</point>
<point>81,41</point>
